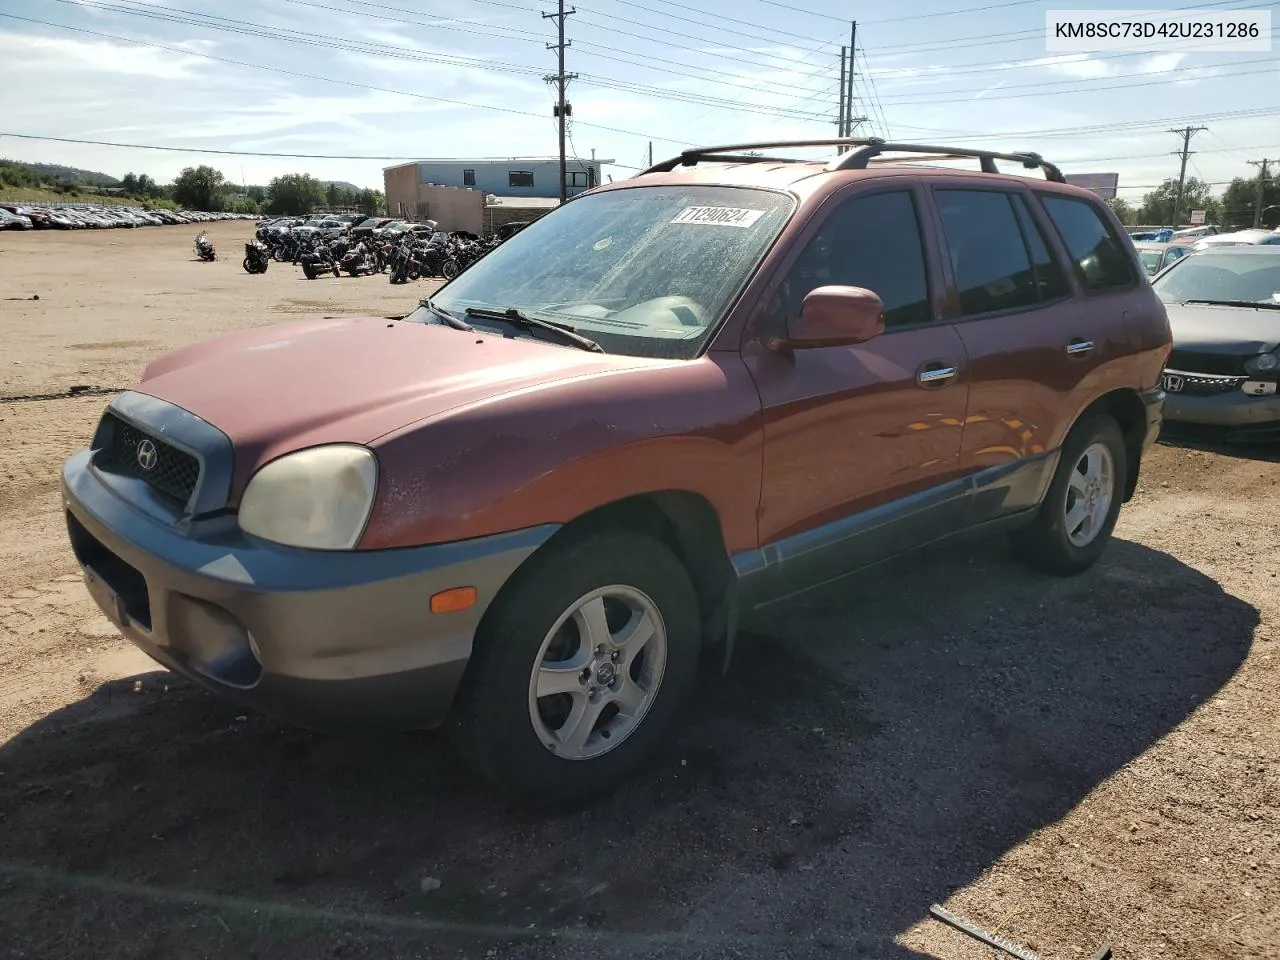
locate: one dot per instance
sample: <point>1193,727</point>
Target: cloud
<point>27,53</point>
<point>1080,66</point>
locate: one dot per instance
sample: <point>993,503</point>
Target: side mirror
<point>836,316</point>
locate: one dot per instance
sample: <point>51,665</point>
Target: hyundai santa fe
<point>527,510</point>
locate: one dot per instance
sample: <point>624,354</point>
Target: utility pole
<point>1262,187</point>
<point>848,93</point>
<point>1186,133</point>
<point>650,154</point>
<point>840,120</point>
<point>561,80</point>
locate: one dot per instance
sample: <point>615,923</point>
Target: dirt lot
<point>1070,761</point>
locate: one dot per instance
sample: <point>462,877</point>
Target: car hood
<point>1207,328</point>
<point>353,380</point>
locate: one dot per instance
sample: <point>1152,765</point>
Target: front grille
<point>175,472</point>
<point>1197,385</point>
<point>1221,364</point>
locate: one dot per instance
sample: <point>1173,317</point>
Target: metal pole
<point>1262,188</point>
<point>848,96</point>
<point>840,121</point>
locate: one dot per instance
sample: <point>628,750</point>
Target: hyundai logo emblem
<point>147,455</point>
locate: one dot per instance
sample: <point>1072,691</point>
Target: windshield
<point>1151,259</point>
<point>645,271</point>
<point>1236,276</point>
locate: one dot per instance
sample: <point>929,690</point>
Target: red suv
<point>527,508</point>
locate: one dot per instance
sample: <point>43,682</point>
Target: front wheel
<point>1080,510</point>
<point>449,269</point>
<point>580,670</point>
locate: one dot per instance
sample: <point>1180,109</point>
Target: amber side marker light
<point>453,600</point>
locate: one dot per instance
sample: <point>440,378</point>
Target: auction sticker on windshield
<point>719,216</point>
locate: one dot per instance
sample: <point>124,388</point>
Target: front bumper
<point>327,640</point>
<point>1229,416</point>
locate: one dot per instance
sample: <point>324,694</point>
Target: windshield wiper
<point>520,319</point>
<point>447,317</point>
<point>1264,304</point>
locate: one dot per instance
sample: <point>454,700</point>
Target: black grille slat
<point>1192,361</point>
<point>175,473</point>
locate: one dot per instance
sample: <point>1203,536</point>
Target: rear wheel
<point>1080,510</point>
<point>580,670</point>
<point>449,269</point>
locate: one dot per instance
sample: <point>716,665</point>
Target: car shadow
<point>870,751</point>
<point>1264,452</point>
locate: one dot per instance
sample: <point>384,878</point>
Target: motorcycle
<point>256,258</point>
<point>319,259</point>
<point>438,260</point>
<point>204,248</point>
<point>359,260</point>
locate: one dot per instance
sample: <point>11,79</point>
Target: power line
<point>229,25</point>
<point>1017,36</point>
<point>958,10</point>
<point>1128,125</point>
<point>717,24</point>
<point>335,80</point>
<point>1000,66</point>
<point>1074,84</point>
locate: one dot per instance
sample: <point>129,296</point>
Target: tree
<point>372,203</point>
<point>148,187</point>
<point>333,196</point>
<point>1157,206</point>
<point>294,193</point>
<point>1240,201</point>
<point>199,188</point>
<point>1124,210</point>
<point>130,184</point>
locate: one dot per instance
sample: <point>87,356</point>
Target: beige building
<point>456,208</point>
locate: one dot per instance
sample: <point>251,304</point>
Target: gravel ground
<point>1069,761</point>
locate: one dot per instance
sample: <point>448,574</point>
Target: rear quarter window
<point>1100,255</point>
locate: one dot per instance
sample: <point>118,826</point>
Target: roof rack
<point>865,152</point>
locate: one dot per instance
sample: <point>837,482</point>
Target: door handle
<point>935,375</point>
<point>1079,347</point>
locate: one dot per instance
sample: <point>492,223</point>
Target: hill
<point>55,171</point>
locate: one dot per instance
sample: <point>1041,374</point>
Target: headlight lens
<point>318,498</point>
<point>1262,363</point>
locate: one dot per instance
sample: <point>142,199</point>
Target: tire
<point>449,269</point>
<point>309,273</point>
<point>1063,546</point>
<point>492,724</point>
<point>248,267</point>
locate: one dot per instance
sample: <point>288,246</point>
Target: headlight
<point>318,498</point>
<point>1262,363</point>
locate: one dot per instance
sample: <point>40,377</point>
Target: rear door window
<point>1101,258</point>
<point>1050,280</point>
<point>989,256</point>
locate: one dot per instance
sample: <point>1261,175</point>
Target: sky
<point>389,80</point>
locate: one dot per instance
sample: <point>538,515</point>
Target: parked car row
<point>1156,254</point>
<point>15,216</point>
<point>325,226</point>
